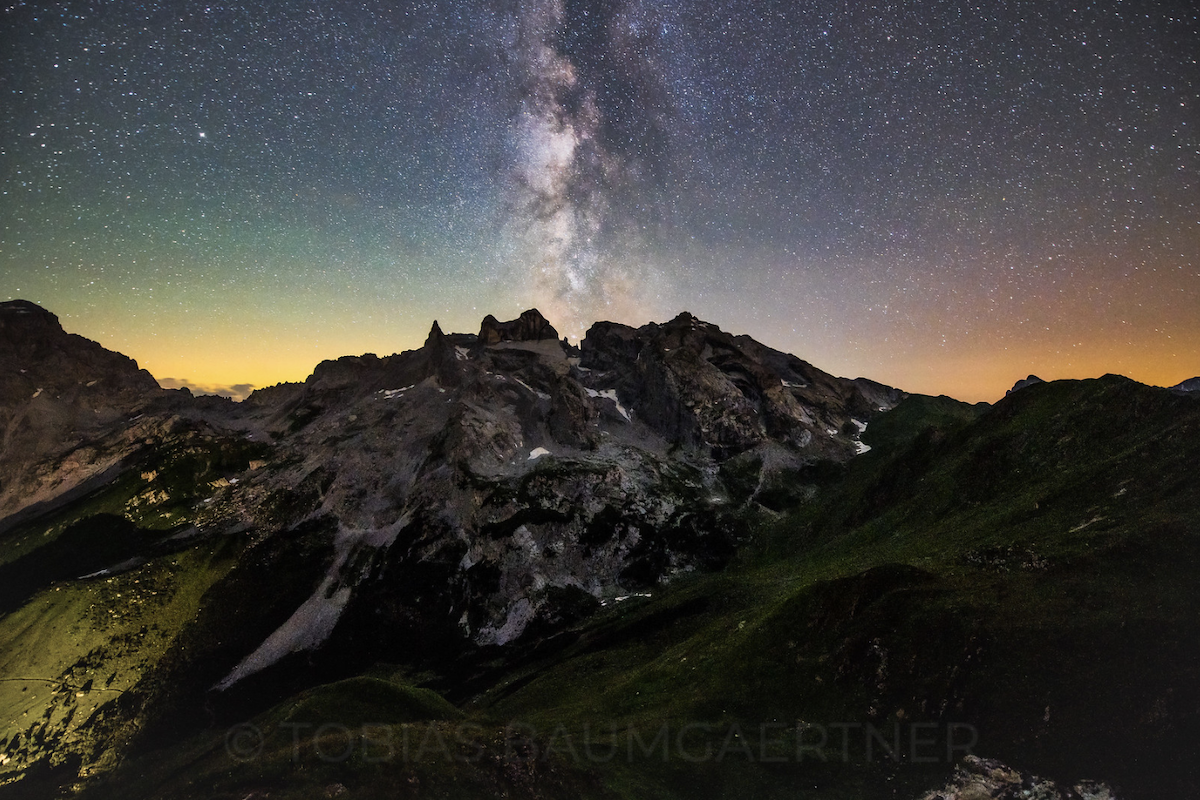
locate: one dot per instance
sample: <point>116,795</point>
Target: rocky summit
<point>511,474</point>
<point>62,398</point>
<point>1032,380</point>
<point>668,525</point>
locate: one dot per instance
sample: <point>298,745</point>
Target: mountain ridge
<point>512,412</point>
<point>490,511</point>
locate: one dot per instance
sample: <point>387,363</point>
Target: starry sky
<point>943,196</point>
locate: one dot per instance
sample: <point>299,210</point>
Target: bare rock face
<point>509,477</point>
<point>531,326</point>
<point>694,383</point>
<point>59,392</point>
<point>37,357</point>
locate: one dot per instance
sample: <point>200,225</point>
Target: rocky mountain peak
<point>435,334</point>
<point>36,354</point>
<point>1023,383</point>
<point>58,389</point>
<point>531,326</point>
<point>21,319</point>
<point>696,384</point>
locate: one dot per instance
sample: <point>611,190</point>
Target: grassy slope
<point>1028,571</point>
<point>77,646</point>
<point>70,647</point>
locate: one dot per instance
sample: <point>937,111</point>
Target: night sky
<point>943,196</point>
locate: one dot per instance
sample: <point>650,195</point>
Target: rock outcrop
<point>987,779</point>
<point>1024,382</point>
<point>531,326</point>
<point>693,383</point>
<point>38,359</point>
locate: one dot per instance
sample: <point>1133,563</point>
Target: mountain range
<point>499,541</point>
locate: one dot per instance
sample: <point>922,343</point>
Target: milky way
<point>581,166</point>
<point>944,196</point>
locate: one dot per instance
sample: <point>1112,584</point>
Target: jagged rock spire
<point>435,335</point>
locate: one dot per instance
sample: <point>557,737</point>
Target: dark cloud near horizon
<point>236,391</point>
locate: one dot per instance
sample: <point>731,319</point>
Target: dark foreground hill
<point>671,563</point>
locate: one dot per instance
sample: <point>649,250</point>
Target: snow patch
<point>859,447</point>
<point>542,395</point>
<point>537,453</point>
<point>35,394</point>
<point>611,394</point>
<point>1083,525</point>
<point>791,385</point>
<point>315,619</point>
<point>392,394</point>
<point>623,598</point>
<point>310,625</point>
<point>461,353</point>
<point>128,564</point>
<point>520,614</point>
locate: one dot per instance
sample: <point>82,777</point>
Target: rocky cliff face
<point>695,384</point>
<point>518,481</point>
<point>531,326</point>
<point>1032,380</point>
<point>65,402</point>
